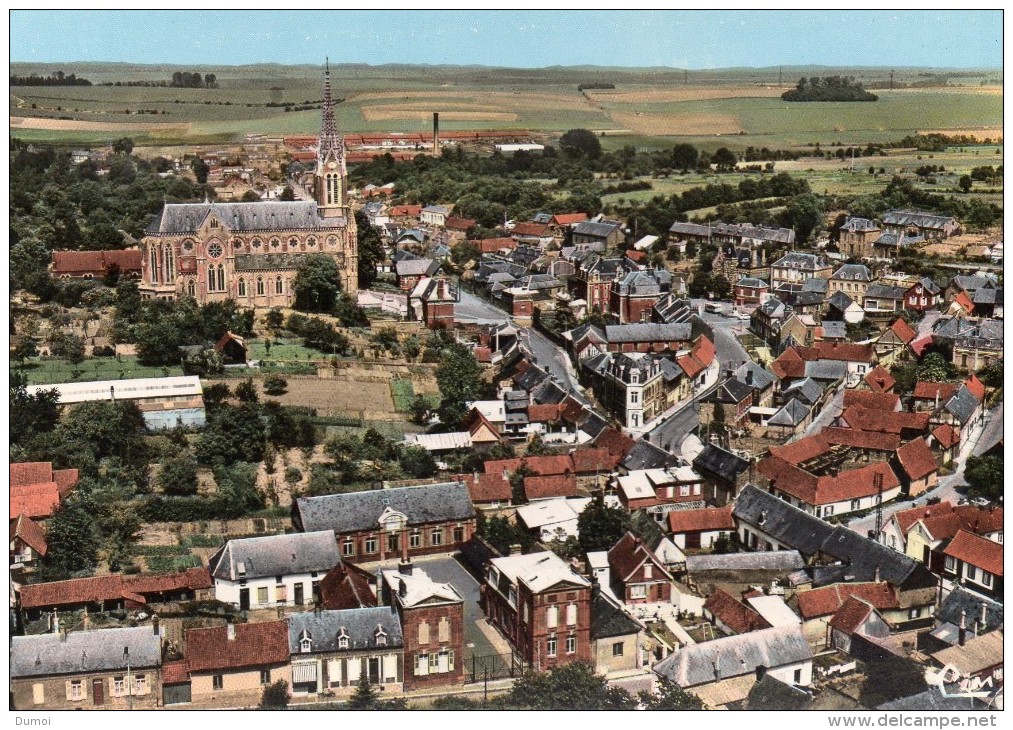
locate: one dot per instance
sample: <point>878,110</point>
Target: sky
<point>693,39</point>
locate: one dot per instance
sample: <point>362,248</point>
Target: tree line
<point>829,88</point>
<point>194,80</point>
<point>57,78</point>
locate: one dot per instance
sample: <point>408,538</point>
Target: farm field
<point>54,370</point>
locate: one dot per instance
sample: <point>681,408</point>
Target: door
<point>298,594</point>
<point>98,692</point>
<point>374,670</point>
<point>244,599</point>
<point>692,539</point>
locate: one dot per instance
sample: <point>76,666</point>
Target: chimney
<point>876,577</point>
<point>402,588</point>
<point>763,517</point>
<point>749,377</point>
<point>984,614</point>
<point>54,622</point>
<point>760,672</point>
<point>436,133</point>
<point>515,549</point>
<point>231,631</point>
<point>962,634</point>
<point>404,567</point>
<point>154,625</point>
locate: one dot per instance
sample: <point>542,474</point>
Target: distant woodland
<point>56,79</point>
<point>829,88</point>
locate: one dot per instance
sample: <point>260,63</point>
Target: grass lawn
<point>284,349</point>
<point>53,370</point>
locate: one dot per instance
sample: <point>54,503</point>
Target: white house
<point>553,517</point>
<point>272,571</point>
<point>435,215</point>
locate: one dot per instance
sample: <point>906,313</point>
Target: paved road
<point>475,310</point>
<point>550,356</point>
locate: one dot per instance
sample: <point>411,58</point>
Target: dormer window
<point>380,635</point>
<point>343,638</point>
<point>305,642</point>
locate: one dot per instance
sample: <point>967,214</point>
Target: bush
<point>275,385</point>
<point>275,696</point>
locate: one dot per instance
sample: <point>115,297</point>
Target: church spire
<point>330,141</point>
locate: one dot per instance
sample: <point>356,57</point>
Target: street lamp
<point>130,688</point>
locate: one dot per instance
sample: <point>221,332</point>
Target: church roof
<point>180,218</point>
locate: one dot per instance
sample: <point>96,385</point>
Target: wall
<point>412,618</point>
<point>240,687</point>
<point>449,545</point>
<point>228,591</point>
<point>55,692</point>
<point>605,662</point>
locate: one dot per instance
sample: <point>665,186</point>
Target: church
<point>251,252</point>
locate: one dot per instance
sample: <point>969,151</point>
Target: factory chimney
<point>436,134</point>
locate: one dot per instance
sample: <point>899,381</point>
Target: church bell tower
<point>331,177</point>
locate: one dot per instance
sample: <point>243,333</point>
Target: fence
<point>495,666</point>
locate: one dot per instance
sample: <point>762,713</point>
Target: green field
<point>54,370</point>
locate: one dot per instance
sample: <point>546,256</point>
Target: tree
<point>123,146</point>
<point>205,362</point>
<point>459,378</point>
<point>805,213</point>
<point>274,319</point>
<point>580,143</point>
<point>685,157</point>
<point>200,170</point>
<point>24,348</point>
<point>724,159</point>
<point>935,369</point>
<point>246,391</point>
<point>158,342</point>
<point>992,375</point>
<point>111,277</point>
<point>984,475</point>
<point>890,678</point>
<point>275,385</point>
<point>600,526</point>
<point>574,686</point>
<point>502,534</point>
<point>287,194</point>
<point>72,538</point>
<point>669,696</point>
<point>965,183</point>
<point>364,697</point>
<point>371,252</point>
<point>31,414</point>
<point>421,410</point>
<point>275,696</point>
<point>316,284</point>
<point>417,462</point>
<point>178,475</point>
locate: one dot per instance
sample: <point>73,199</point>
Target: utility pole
<point>780,70</point>
<point>891,80</point>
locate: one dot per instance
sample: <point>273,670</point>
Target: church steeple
<point>331,173</point>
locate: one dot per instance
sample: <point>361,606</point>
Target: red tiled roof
<point>32,472</point>
<point>557,485</point>
<point>83,262</point>
<point>846,351</point>
<point>539,465</point>
<point>880,380</point>
<point>804,449</point>
<point>863,419</point>
<point>872,401</point>
<point>927,390</point>
<point>406,211</point>
<point>483,354</point>
<point>543,413</point>
<point>943,524</point>
<point>259,644</point>
<point>946,435</point>
<point>37,501</point>
<point>177,672</point>
<point>701,520</point>
<point>459,224</point>
<point>66,480</point>
<point>906,518</point>
<point>486,487</point>
<point>976,387</point>
<point>861,439</point>
<point>916,459</point>
<point>851,615</point>
<point>590,461</point>
<point>492,245</point>
<point>903,331</point>
<point>964,301</point>
<point>530,229</point>
<point>826,601</point>
<point>637,256</point>
<point>627,555</point>
<point>700,356</point>
<point>568,219</point>
<point>789,364</point>
<point>919,346</point>
<point>345,586</point>
<point>30,533</point>
<point>976,551</point>
<point>111,587</point>
<point>571,410</point>
<point>614,441</point>
<point>847,485</point>
<point>737,616</point>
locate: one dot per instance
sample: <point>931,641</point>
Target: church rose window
<point>215,250</point>
<point>311,241</point>
<point>275,243</point>
<point>256,243</point>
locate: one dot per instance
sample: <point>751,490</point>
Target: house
<point>969,284</point>
<point>731,616</point>
<point>541,606</point>
<point>230,665</point>
<point>552,518</point>
<point>750,292</point>
<point>856,618</point>
<point>114,592</point>
<point>842,308</point>
<point>916,466</point>
<point>405,521</point>
<point>920,223</point>
<point>760,380</point>
<point>435,215</point>
<point>852,279</point>
<point>274,570</point>
<point>734,399</point>
<point>893,345</point>
<point>882,299</point>
<point>723,472</point>
<point>855,237</point>
<point>976,662</point>
<point>818,606</point>
<point>795,267</point>
<point>765,321</point>
<point>978,348</point>
<point>700,528</point>
<point>637,575</point>
<point>725,670</point>
<point>410,272</point>
<point>108,669</point>
<point>598,236</point>
<point>96,264</point>
<point>645,488</point>
<point>487,490</point>
<point>923,296</point>
<point>905,424</point>
<point>346,586</point>
<point>232,348</point>
<point>648,337</point>
<point>629,386</point>
<point>979,615</point>
<point>974,562</point>
<point>36,489</point>
<point>432,301</point>
<point>879,380</point>
<point>923,532</point>
<point>592,279</point>
<point>615,637</point>
<point>634,294</point>
<point>432,622</point>
<point>331,650</point>
<point>27,543</point>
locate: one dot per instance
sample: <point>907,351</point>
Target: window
<point>571,615</point>
<point>191,289</point>
<point>986,579</point>
<point>262,595</point>
<point>827,511</point>
<point>279,286</point>
<point>348,547</point>
<point>914,613</point>
<point>221,277</point>
<point>696,490</point>
<point>571,644</point>
<point>638,591</point>
<point>211,278</point>
<point>424,632</point>
<point>342,639</point>
<point>38,693</point>
<point>634,396</point>
<point>218,681</point>
<point>684,490</point>
<point>458,534</point>
<point>255,243</point>
<point>415,538</point>
<point>617,649</point>
<point>444,629</point>
<point>434,663</point>
<point>277,580</point>
<point>380,636</point>
<point>550,646</point>
<point>421,664</point>
<point>260,287</point>
<point>370,545</point>
<point>242,287</point>
<point>275,242</point>
<point>215,250</point>
<point>118,686</point>
<point>798,676</point>
<point>393,542</point>
<point>856,503</point>
<point>311,241</point>
<point>552,616</point>
<point>971,572</point>
<point>648,572</point>
<point>141,684</point>
<point>306,644</point>
<point>437,537</point>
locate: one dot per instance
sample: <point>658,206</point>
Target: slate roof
<point>358,624</point>
<point>799,260</point>
<point>854,223</point>
<point>717,460</point>
<point>598,230</point>
<point>962,600</point>
<point>761,377</point>
<point>834,330</point>
<point>356,511</point>
<point>862,556</point>
<point>648,332</point>
<point>840,301</point>
<point>853,272</point>
<point>884,291</point>
<point>416,267</point>
<point>269,261</point>
<point>752,282</point>
<point>806,390</point>
<point>645,455</point>
<point>538,571</point>
<point>975,550</point>
<point>84,652</point>
<point>787,524</point>
<point>771,693</point>
<point>275,555</point>
<point>179,218</point>
<point>791,414</point>
<point>608,620</point>
<point>814,285</point>
<point>731,391</point>
<point>254,645</point>
<point>916,218</point>
<point>962,405</point>
<point>774,560</point>
<point>734,656</point>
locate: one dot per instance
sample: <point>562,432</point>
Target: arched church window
<point>242,287</point>
<point>279,286</point>
<point>260,286</point>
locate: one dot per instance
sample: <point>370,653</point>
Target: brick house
<point>700,528</point>
<point>432,623</point>
<point>95,264</point>
<point>410,272</point>
<point>407,521</point>
<point>230,665</point>
<point>636,574</point>
<point>432,302</point>
<point>923,295</point>
<point>920,223</point>
<point>541,606</point>
<point>592,279</point>
<point>332,650</point>
<point>856,236</point>
<point>633,295</point>
<point>597,235</point>
<point>109,669</point>
<point>648,337</point>
<point>751,292</point>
